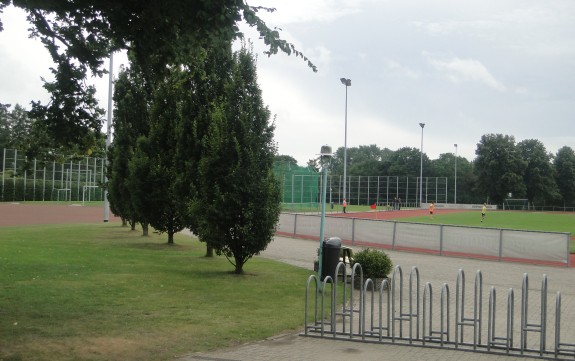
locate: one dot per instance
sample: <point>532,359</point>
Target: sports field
<point>530,221</point>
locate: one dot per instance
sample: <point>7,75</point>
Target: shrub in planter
<point>375,264</point>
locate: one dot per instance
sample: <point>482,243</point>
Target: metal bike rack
<point>567,349</point>
<point>429,334</point>
<point>499,341</point>
<point>383,322</point>
<point>402,315</point>
<point>526,327</point>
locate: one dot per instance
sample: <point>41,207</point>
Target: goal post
<point>87,189</point>
<point>516,204</point>
<point>64,193</point>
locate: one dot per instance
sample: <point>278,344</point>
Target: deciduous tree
<point>564,164</point>
<point>539,177</point>
<point>499,168</point>
<point>238,203</point>
<point>131,120</point>
<point>4,125</point>
<point>153,169</point>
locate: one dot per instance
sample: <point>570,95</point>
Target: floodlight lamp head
<point>346,82</point>
<point>422,125</point>
<point>325,151</point>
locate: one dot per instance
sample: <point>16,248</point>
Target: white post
<point>421,168</point>
<point>455,194</point>
<point>347,83</point>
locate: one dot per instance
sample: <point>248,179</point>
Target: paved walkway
<point>433,269</point>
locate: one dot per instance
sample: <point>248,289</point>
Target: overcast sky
<point>463,68</point>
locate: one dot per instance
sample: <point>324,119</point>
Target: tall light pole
<point>347,83</point>
<point>455,194</point>
<point>421,168</point>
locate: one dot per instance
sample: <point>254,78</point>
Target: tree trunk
<point>133,225</point>
<point>144,229</point>
<point>124,222</point>
<point>171,237</point>
<point>209,251</point>
<point>239,265</point>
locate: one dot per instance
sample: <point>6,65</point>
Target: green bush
<point>374,263</point>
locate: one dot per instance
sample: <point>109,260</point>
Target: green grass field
<point>531,221</point>
<point>103,292</point>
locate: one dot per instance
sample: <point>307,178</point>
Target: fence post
<point>441,240</point>
<point>500,245</point>
<point>295,225</point>
<point>394,231</point>
<point>568,254</point>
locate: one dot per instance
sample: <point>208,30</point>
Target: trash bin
<point>330,257</point>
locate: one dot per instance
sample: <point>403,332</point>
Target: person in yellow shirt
<point>431,210</point>
<point>483,211</point>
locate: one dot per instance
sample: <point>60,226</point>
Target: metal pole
<point>421,168</point>
<point>108,136</point>
<point>347,83</point>
<point>455,189</point>
<point>325,156</point>
<point>345,151</point>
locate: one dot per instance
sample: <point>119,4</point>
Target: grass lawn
<point>532,221</point>
<point>103,292</point>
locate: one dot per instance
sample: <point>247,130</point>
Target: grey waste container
<point>330,257</point>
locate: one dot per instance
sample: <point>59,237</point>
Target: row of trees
<point>501,167</point>
<point>20,130</point>
<point>195,150</point>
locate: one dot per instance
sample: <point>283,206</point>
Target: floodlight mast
<point>422,125</point>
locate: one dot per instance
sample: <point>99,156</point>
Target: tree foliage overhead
<point>81,34</point>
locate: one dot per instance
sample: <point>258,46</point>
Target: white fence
<point>550,248</point>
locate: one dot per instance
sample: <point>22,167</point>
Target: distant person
<point>399,204</point>
<point>344,205</point>
<point>431,210</point>
<point>483,211</point>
